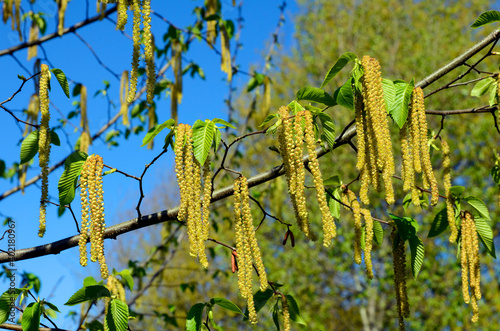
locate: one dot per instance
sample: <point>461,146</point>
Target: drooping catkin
<point>62,4</point>
<point>286,313</point>
<point>225,65</point>
<point>350,200</point>
<point>136,36</point>
<point>122,14</point>
<point>399,264</point>
<point>44,144</point>
<point>176,90</point>
<point>85,139</point>
<point>212,7</point>
<point>124,89</point>
<point>33,35</point>
<point>407,171</point>
<point>149,50</point>
<point>447,185</point>
<point>464,246</point>
<point>368,242</point>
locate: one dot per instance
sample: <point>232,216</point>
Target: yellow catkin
<point>176,88</point>
<point>205,226</point>
<point>225,53</point>
<point>17,18</point>
<point>136,36</point>
<point>122,15</point>
<point>329,227</point>
<point>124,89</point>
<point>407,170</point>
<point>44,144</point>
<point>148,50</point>
<point>286,313</point>
<point>473,258</point>
<point>368,242</point>
<point>464,246</point>
<point>179,149</point>
<point>211,9</point>
<point>152,121</point>
<point>414,127</point>
<point>85,139</point>
<point>33,35</point>
<point>447,185</point>
<point>62,4</point>
<point>360,130</point>
<point>85,226</point>
<point>399,263</point>
<point>353,202</point>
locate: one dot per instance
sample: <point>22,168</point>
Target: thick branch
<point>55,34</point>
<point>8,326</point>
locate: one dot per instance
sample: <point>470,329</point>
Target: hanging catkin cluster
<point>247,247</point>
<point>33,35</point>
<point>44,143</point>
<point>92,199</point>
<point>471,267</point>
<point>143,12</point>
<point>349,199</point>
<point>447,185</point>
<point>399,264</point>
<point>62,5</point>
<point>374,141</point>
<point>193,210</point>
<point>415,151</point>
<point>292,134</point>
<point>12,9</point>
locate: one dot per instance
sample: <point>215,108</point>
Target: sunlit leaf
<point>29,147</point>
<point>67,183</point>
<point>61,78</point>
<point>486,18</point>
<point>315,94</point>
<point>341,62</point>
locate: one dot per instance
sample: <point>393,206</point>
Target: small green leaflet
<point>224,123</point>
<point>6,300</point>
<point>153,132</point>
<point>117,316</point>
<point>89,281</point>
<point>439,224</point>
<point>389,93</point>
<point>457,191</point>
<point>61,78</point>
<point>260,299</point>
<point>333,181</point>
<point>333,204</point>
<point>399,108</point>
<point>226,304</point>
<point>486,18</point>
<point>479,206</point>
<point>294,310</point>
<point>328,129</point>
<point>88,293</point>
<point>344,96</point>
<point>127,277</point>
<point>31,317</point>
<point>52,306</point>
<point>69,178</point>
<point>29,147</point>
<point>193,322</point>
<point>495,174</point>
<point>295,107</point>
<point>256,80</point>
<point>268,118</point>
<point>341,62</point>
<point>54,138</point>
<point>378,232</point>
<point>483,86</point>
<point>316,95</point>
<point>203,136</point>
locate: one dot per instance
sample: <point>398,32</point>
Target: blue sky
<point>201,100</point>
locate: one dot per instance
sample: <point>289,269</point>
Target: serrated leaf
<point>315,94</point>
<point>407,226</point>
<point>226,304</point>
<point>486,235</point>
<point>203,136</point>
<point>260,299</point>
<point>67,183</point>
<point>6,300</point>
<point>89,281</point>
<point>294,310</point>
<point>389,93</point>
<point>333,204</point>
<point>127,277</point>
<point>295,107</point>
<point>479,206</point>
<point>439,224</point>
<point>269,118</point>
<point>399,108</point>
<point>31,317</point>
<point>117,316</point>
<point>88,293</point>
<point>417,255</point>
<point>193,322</point>
<point>344,96</point>
<point>54,138</point>
<point>341,62</point>
<point>378,233</point>
<point>29,147</point>
<point>52,306</point>
<point>225,123</point>
<point>482,87</point>
<point>61,78</point>
<point>154,131</point>
<point>328,128</point>
<point>487,17</point>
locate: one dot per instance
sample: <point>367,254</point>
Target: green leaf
<point>495,174</point>
<point>226,304</point>
<point>407,226</point>
<point>29,147</point>
<point>294,310</point>
<point>399,108</point>
<point>295,107</point>
<point>260,299</point>
<point>439,224</point>
<point>344,96</point>
<point>493,94</point>
<point>378,233</point>
<point>89,281</point>
<point>486,18</point>
<point>276,320</point>
<point>479,206</point>
<point>67,183</point>
<point>457,191</point>
<point>482,87</point>
<point>51,306</point>
<point>6,300</point>
<point>54,138</point>
<point>328,128</point>
<point>225,123</point>
<point>342,61</point>
<point>256,80</point>
<point>269,118</point>
<point>194,316</point>
<point>88,293</point>
<point>117,316</point>
<point>486,235</point>
<point>153,132</point>
<point>417,255</point>
<point>333,204</point>
<point>203,136</point>
<point>61,78</point>
<point>333,181</point>
<point>316,95</point>
<point>127,277</point>
<point>389,93</point>
<point>31,317</point>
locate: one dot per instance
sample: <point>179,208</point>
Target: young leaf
<point>295,107</point>
<point>67,183</point>
<point>495,174</point>
<point>294,310</point>
<point>256,80</point>
<point>389,93</point>
<point>328,128</point>
<point>203,136</point>
<point>457,191</point>
<point>226,304</point>
<point>399,108</point>
<point>276,311</point>
<point>51,306</point>
<point>342,61</point>
<point>482,87</point>
<point>194,316</point>
<point>378,233</point>
<point>333,204</point>
<point>54,138</point>
<point>61,78</point>
<point>225,123</point>
<point>439,224</point>
<point>479,206</point>
<point>316,95</point>
<point>89,281</point>
<point>417,255</point>
<point>127,277</point>
<point>6,300</point>
<point>29,147</point>
<point>260,299</point>
<point>31,317</point>
<point>153,132</point>
<point>117,316</point>
<point>486,235</point>
<point>88,293</point>
<point>268,118</point>
<point>486,18</point>
<point>333,181</point>
<point>344,96</point>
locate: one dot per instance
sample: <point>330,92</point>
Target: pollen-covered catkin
<point>123,98</point>
<point>62,4</point>
<point>352,201</point>
<point>471,267</point>
<point>407,170</point>
<point>464,246</point>
<point>136,36</point>
<point>286,313</point>
<point>399,263</point>
<point>122,14</point>
<point>149,50</point>
<point>368,242</point>
<point>447,185</point>
<point>44,144</point>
